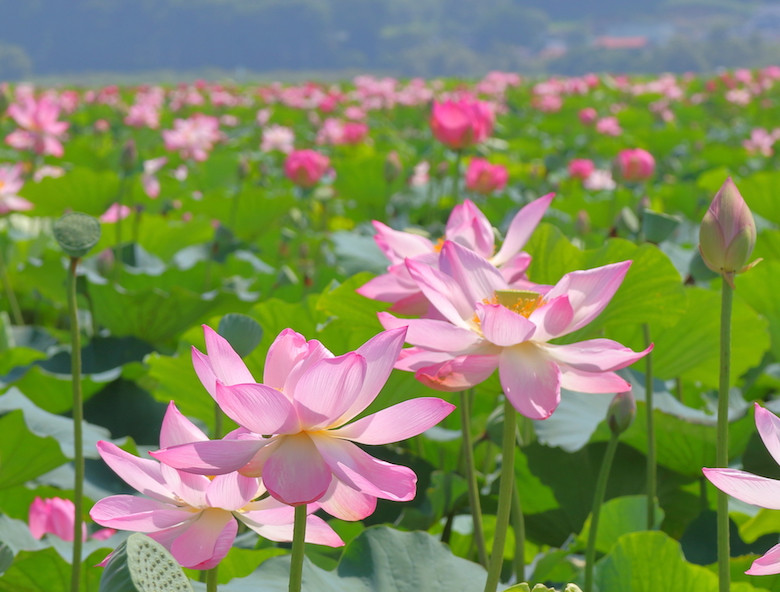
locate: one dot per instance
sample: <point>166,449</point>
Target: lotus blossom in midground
<point>193,516</point>
<point>305,404</point>
<point>462,123</point>
<point>11,182</point>
<point>41,131</point>
<point>468,227</point>
<point>752,489</point>
<point>487,325</point>
<point>56,516</point>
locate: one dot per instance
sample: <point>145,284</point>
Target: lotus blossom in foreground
<point>307,399</point>
<point>41,130</point>
<point>487,325</point>
<point>193,516</point>
<point>752,489</point>
<point>468,227</point>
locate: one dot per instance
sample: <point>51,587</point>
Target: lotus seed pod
<point>76,233</point>
<point>141,564</point>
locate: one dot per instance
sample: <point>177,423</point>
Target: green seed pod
<point>76,233</point>
<point>141,564</point>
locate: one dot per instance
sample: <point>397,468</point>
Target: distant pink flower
<point>635,164</point>
<point>599,180</point>
<point>463,123</point>
<point>46,170</point>
<point>468,227</point>
<point>609,126</point>
<point>306,167</point>
<point>581,168</point>
<point>191,515</point>
<point>752,489</point>
<point>262,117</point>
<point>761,141</point>
<point>11,182</point>
<point>484,177</point>
<point>114,213</point>
<point>486,325</point>
<point>143,115</point>
<point>278,137</point>
<point>547,103</point>
<point>336,132</point>
<point>194,137</point>
<point>354,113</point>
<point>56,516</point>
<point>307,398</point>
<point>149,180</point>
<point>420,175</point>
<point>588,116</point>
<point>102,126</point>
<point>41,131</point>
<point>739,96</point>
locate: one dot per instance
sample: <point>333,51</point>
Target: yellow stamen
<point>439,244</point>
<point>522,302</point>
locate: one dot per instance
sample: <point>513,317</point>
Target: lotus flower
<point>56,516</point>
<point>487,325</point>
<point>461,124</point>
<point>484,177</point>
<point>11,182</point>
<point>307,399</point>
<point>191,515</point>
<point>306,167</point>
<point>635,164</point>
<point>41,131</point>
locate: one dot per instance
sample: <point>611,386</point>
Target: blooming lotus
<point>193,516</point>
<point>278,137</point>
<point>56,516</point>
<point>468,227</point>
<point>194,137</point>
<point>487,325</point>
<point>581,168</point>
<point>484,177</point>
<point>41,131</point>
<point>306,167</point>
<point>305,404</point>
<point>755,490</point>
<point>11,182</point>
<point>461,124</point>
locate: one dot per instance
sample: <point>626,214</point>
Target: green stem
<point>504,497</point>
<point>518,525</point>
<point>456,177</point>
<point>78,418</point>
<point>121,194</point>
<point>296,562</point>
<point>722,451</point>
<point>13,304</point>
<point>652,468</point>
<point>471,477</point>
<point>211,579</point>
<point>234,208</point>
<point>598,500</point>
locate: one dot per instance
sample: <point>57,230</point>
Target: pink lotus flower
<point>194,137</point>
<point>599,180</point>
<point>337,132</point>
<point>581,168</point>
<point>755,490</point>
<point>461,124</point>
<point>485,178</point>
<point>468,227</point>
<point>191,515</point>
<point>56,516</point>
<point>149,180</point>
<point>487,325</point>
<point>635,164</point>
<point>278,137</point>
<point>588,116</point>
<point>114,213</point>
<point>11,182</point>
<point>41,131</point>
<point>306,167</point>
<point>307,399</point>
<point>609,126</point>
<point>421,174</point>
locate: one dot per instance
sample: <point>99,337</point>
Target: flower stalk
<point>211,579</point>
<point>722,450</point>
<point>471,476</point>
<point>652,468</point>
<point>296,562</point>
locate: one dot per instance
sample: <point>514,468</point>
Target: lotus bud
<point>728,233</point>
<point>621,412</point>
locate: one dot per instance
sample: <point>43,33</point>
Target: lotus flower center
<point>439,244</point>
<point>522,302</point>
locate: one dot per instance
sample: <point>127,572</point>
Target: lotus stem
<point>299,536</point>
<point>456,177</point>
<point>722,451</point>
<point>211,579</point>
<point>504,497</point>
<point>471,476</point>
<point>13,303</point>
<point>518,525</point>
<point>78,418</point>
<point>652,469</point>
<point>598,500</point>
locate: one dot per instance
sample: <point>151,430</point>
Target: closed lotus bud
<point>728,233</point>
<point>621,412</point>
<point>129,156</point>
<point>393,167</point>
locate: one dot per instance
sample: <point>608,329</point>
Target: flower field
<point>299,336</point>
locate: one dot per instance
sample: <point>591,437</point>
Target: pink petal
<point>226,364</point>
<point>177,429</point>
<point>531,380</point>
<point>191,488</point>
<point>478,279</point>
<point>141,474</point>
<point>595,355</point>
<point>363,472</point>
<point>746,487</point>
<point>231,491</point>
<point>38,517</point>
<point>514,269</point>
<point>151,185</point>
<point>397,245</point>
<point>592,382</point>
<point>443,292</point>
<point>271,511</point>
<point>296,472</point>
<point>521,228</point>
<point>590,291</point>
<point>469,227</point>
<point>198,544</point>
<point>345,503</point>
<point>313,353</point>
<point>328,389</point>
<point>202,366</point>
<point>552,319</point>
<point>458,373</point>
<point>259,408</point>
<point>317,531</point>
<point>766,565</point>
<point>286,351</point>
<point>432,334</point>
<point>215,457</point>
<point>768,425</point>
<point>396,423</point>
<point>412,359</point>
<point>387,288</point>
<point>503,327</point>
<point>128,512</point>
